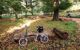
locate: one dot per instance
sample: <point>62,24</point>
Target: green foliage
<point>8,16</point>
<point>18,7</point>
<point>35,48</point>
<point>14,4</point>
<point>3,7</point>
<point>11,6</point>
<point>64,5</point>
<point>48,6</point>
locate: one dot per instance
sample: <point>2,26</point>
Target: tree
<point>47,6</point>
<point>56,6</point>
<point>31,4</point>
<point>3,8</point>
<point>15,6</point>
<point>56,10</point>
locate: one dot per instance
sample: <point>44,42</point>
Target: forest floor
<point>77,20</point>
<point>48,25</point>
<point>71,44</point>
<point>9,27</point>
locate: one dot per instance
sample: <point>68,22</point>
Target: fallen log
<point>60,34</point>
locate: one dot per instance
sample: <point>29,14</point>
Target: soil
<point>51,45</point>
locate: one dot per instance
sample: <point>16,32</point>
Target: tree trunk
<point>56,11</point>
<point>32,12</point>
<point>56,14</point>
<point>16,15</point>
<point>0,17</point>
<point>31,8</point>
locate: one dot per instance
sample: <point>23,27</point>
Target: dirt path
<point>18,29</point>
<point>26,23</point>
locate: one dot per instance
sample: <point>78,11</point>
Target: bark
<point>56,14</point>
<point>56,11</point>
<point>0,17</point>
<point>32,12</point>
<point>16,15</point>
<point>31,8</point>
